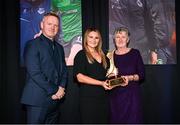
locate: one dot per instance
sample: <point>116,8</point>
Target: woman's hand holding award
<point>113,79</point>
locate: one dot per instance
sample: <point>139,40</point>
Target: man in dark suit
<point>46,73</point>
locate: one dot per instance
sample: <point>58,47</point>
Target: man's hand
<point>59,94</point>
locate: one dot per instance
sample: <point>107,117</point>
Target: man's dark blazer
<point>43,77</point>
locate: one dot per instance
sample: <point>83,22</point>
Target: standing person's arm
<point>33,67</point>
<point>64,71</point>
<point>139,75</point>
<point>63,80</point>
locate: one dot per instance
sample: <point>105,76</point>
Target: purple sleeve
<point>140,67</point>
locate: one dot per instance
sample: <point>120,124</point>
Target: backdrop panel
<point>151,24</point>
<point>69,11</point>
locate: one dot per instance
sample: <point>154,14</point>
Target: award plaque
<point>116,81</point>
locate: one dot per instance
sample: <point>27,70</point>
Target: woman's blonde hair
<point>98,48</point>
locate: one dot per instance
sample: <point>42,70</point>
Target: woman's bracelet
<point>135,77</point>
<point>130,77</point>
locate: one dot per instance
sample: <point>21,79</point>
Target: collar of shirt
<point>50,42</point>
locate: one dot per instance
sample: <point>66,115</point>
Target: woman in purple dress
<point>125,100</point>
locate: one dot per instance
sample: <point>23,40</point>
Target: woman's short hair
<point>120,29</point>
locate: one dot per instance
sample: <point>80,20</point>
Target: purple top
<point>125,102</point>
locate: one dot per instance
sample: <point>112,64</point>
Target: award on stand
<point>112,73</point>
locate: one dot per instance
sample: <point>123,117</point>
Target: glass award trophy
<point>112,73</point>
